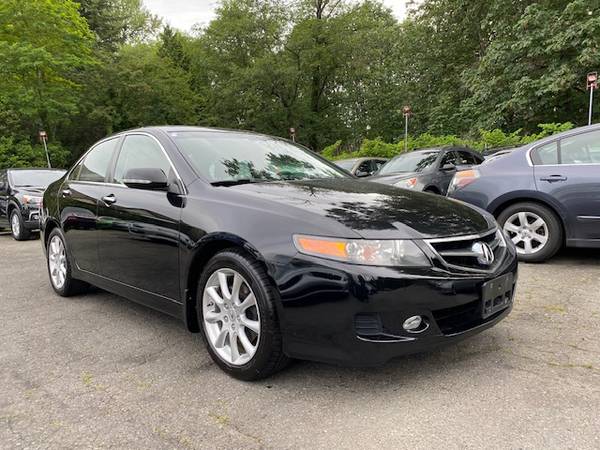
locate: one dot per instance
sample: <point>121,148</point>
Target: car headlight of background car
<point>391,253</point>
<point>407,184</point>
<point>32,200</point>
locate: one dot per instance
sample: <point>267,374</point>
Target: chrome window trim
<point>557,140</point>
<point>124,136</point>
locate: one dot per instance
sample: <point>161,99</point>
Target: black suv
<point>21,193</point>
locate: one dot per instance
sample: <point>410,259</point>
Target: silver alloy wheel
<point>528,231</point>
<point>15,225</point>
<point>57,262</point>
<point>231,317</point>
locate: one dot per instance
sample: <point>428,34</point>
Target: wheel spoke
<point>235,289</point>
<point>213,317</point>
<point>528,247</point>
<point>253,325</point>
<point>511,227</point>
<point>247,303</point>
<point>516,239</point>
<point>522,219</point>
<point>541,238</point>
<point>214,295</point>
<point>224,286</point>
<point>235,351</point>
<point>248,347</point>
<point>220,340</point>
<point>538,223</point>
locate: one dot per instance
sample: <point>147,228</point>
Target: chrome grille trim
<point>443,255</point>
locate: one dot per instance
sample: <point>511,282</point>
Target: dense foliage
<point>335,70</point>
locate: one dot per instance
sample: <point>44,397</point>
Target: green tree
<point>44,45</point>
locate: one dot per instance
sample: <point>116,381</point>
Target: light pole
<point>293,134</point>
<point>406,111</point>
<point>592,83</point>
<point>44,137</point>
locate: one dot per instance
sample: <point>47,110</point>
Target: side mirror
<point>149,179</point>
<point>361,174</point>
<point>448,167</point>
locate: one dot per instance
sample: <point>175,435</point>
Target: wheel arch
<point>433,189</point>
<point>203,251</point>
<point>50,225</point>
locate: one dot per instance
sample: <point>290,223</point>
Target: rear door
<point>569,170</point>
<point>78,203</point>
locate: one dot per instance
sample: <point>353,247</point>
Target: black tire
<point>432,190</point>
<point>21,234</point>
<point>71,286</point>
<point>269,357</point>
<point>555,231</point>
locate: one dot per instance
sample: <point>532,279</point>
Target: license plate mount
<point>497,294</point>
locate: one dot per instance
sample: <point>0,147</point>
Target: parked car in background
<point>544,195</point>
<point>20,197</point>
<point>361,167</point>
<point>273,252</point>
<point>429,170</point>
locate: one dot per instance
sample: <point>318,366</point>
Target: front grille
<point>459,252</point>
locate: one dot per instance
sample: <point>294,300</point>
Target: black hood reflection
<point>373,210</point>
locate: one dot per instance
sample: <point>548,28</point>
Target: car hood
<point>393,178</point>
<point>31,190</point>
<point>374,210</point>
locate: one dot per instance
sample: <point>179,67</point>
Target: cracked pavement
<point>98,371</point>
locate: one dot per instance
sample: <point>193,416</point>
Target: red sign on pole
<point>407,110</point>
<point>43,136</point>
<point>592,80</point>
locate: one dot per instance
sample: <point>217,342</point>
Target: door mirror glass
<point>147,178</point>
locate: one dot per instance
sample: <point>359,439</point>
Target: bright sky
<point>183,14</point>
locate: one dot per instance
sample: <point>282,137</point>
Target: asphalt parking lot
<point>98,371</point>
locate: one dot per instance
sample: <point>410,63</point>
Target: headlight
<point>391,253</point>
<point>32,200</point>
<point>407,184</point>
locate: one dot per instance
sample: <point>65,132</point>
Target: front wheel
<point>59,267</point>
<point>235,303</point>
<point>19,232</point>
<point>534,229</point>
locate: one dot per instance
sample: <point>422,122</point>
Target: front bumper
<point>31,218</point>
<point>353,315</point>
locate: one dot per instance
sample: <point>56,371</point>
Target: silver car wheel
<point>231,317</point>
<point>57,262</point>
<point>15,225</point>
<point>528,231</point>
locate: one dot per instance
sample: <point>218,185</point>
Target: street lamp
<point>592,83</point>
<point>406,112</point>
<point>293,134</point>
<point>44,138</point>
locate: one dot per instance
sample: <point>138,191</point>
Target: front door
<point>138,230</point>
<point>3,198</point>
<point>569,171</point>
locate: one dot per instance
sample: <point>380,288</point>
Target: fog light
<point>413,323</point>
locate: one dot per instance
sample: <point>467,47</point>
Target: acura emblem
<point>484,253</point>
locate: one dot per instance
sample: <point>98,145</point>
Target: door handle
<point>554,178</point>
<point>109,199</point>
<point>66,192</point>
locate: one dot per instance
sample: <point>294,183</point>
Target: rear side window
<point>545,155</point>
<point>466,158</point>
<point>94,166</point>
<point>581,149</point>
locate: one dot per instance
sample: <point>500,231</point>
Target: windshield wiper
<point>235,182</point>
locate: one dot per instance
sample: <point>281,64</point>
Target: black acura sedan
<point>272,252</point>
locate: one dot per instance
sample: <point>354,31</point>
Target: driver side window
<point>140,152</point>
<point>449,158</point>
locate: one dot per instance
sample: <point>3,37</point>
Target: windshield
<point>410,162</point>
<point>346,164</point>
<point>35,178</point>
<point>229,157</point>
